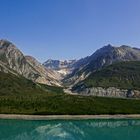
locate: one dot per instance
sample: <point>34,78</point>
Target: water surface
<point>70,130</point>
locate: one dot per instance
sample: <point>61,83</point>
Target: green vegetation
<point>17,85</point>
<point>124,75</point>
<point>52,89</point>
<point>21,96</point>
<point>67,104</point>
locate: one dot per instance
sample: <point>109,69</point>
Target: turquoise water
<point>70,130</point>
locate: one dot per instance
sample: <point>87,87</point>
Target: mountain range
<point>64,67</point>
<point>102,57</point>
<point>74,74</point>
<point>12,60</point>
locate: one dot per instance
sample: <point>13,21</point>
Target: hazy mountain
<point>101,58</point>
<point>64,67</point>
<point>13,60</point>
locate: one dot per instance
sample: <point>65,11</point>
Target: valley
<point>109,80</point>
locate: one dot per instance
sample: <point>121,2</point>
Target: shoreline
<point>67,117</point>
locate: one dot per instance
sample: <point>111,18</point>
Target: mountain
<point>17,85</point>
<point>63,67</point>
<point>62,73</point>
<point>19,95</point>
<point>11,84</point>
<point>13,60</point>
<point>52,77</point>
<point>120,79</point>
<point>101,58</point>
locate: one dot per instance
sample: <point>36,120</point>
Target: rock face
<point>109,92</point>
<point>59,64</point>
<point>48,76</point>
<point>3,68</point>
<point>63,67</point>
<point>13,60</point>
<point>117,80</point>
<point>101,58</point>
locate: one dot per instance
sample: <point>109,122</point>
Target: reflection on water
<point>70,130</point>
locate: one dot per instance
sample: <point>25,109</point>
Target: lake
<point>114,129</point>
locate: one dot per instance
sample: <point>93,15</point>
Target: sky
<point>69,29</point>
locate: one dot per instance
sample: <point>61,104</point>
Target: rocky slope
<point>63,67</point>
<point>121,79</point>
<point>13,60</point>
<point>52,77</point>
<point>11,84</point>
<point>109,92</point>
<point>101,58</point>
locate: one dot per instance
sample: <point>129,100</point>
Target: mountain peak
<point>63,67</point>
<point>108,46</point>
<point>58,64</point>
<point>11,58</point>
<point>6,43</point>
<point>125,46</point>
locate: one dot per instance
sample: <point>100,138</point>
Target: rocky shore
<point>67,117</point>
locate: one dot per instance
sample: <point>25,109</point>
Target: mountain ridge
<point>12,58</point>
<point>64,67</point>
<point>62,72</point>
<point>120,79</point>
<point>104,56</point>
